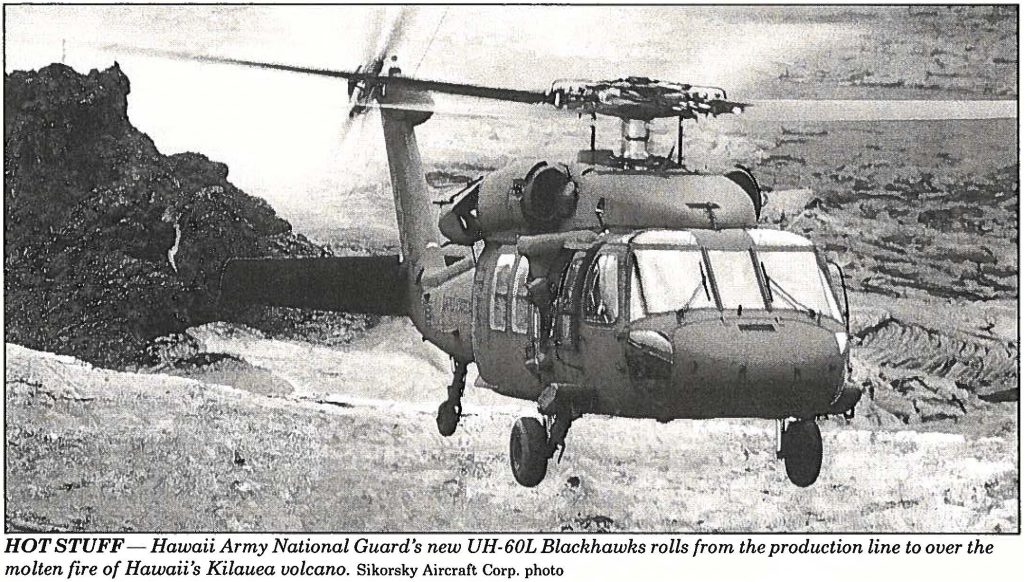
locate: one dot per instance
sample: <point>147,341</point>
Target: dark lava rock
<point>984,366</point>
<point>916,399</point>
<point>110,243</point>
<point>933,398</point>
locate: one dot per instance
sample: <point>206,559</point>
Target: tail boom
<point>354,284</point>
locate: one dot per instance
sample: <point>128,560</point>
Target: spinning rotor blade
<point>182,56</point>
<point>758,110</point>
<point>460,111</point>
<point>513,95</point>
<point>501,94</point>
<point>869,110</point>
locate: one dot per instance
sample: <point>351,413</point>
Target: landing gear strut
<point>800,448</point>
<point>450,411</point>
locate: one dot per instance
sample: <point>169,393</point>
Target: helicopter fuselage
<point>633,293</point>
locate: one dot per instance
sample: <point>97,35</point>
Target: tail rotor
<point>364,87</point>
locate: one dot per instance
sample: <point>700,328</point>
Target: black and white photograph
<point>672,269</point>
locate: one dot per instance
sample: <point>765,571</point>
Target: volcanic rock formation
<point>110,243</point>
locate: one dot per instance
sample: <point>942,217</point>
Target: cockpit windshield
<point>736,279</point>
<point>672,279</point>
<point>797,282</point>
<point>669,280</point>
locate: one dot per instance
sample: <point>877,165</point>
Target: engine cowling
<point>549,195</point>
<point>536,198</point>
<point>521,197</point>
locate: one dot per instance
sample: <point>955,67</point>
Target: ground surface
<point>93,449</point>
<point>298,436</point>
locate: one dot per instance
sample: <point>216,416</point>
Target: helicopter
<point>621,283</point>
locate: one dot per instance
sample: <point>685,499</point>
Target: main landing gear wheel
<point>529,451</point>
<point>802,451</point>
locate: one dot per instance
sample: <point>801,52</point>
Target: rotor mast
<point>636,134</point>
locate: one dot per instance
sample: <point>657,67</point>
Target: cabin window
<point>601,294</point>
<point>521,305</point>
<point>500,284</point>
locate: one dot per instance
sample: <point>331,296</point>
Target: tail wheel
<point>528,451</point>
<point>802,451</point>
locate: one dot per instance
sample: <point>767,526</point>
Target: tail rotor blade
<point>353,131</point>
<point>374,32</point>
<point>394,26</point>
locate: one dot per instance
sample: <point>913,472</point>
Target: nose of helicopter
<point>768,369</point>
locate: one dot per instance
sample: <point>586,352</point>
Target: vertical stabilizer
<point>417,227</point>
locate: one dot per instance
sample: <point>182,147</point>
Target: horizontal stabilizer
<point>353,284</point>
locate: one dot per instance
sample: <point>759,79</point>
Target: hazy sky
<point>280,134</point>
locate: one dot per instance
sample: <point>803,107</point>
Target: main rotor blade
<point>181,56</point>
<point>498,93</point>
<point>501,94</point>
<point>456,110</point>
<point>878,110</point>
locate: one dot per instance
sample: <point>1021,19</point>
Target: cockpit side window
<point>637,309</point>
<point>566,299</point>
<point>601,290</point>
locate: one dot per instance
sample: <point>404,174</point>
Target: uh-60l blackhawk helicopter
<point>621,284</point>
